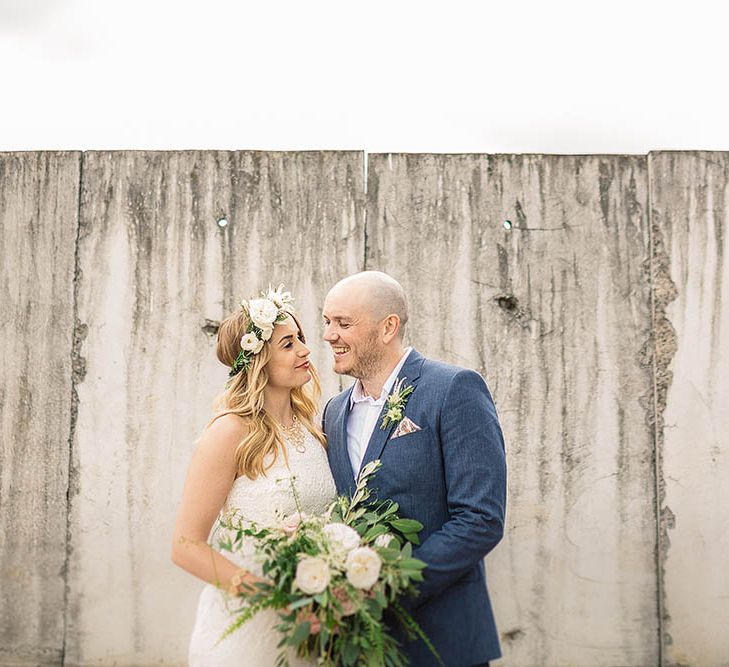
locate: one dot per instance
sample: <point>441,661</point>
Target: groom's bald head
<point>377,293</point>
<point>364,321</point>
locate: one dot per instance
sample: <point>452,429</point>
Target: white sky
<point>510,76</point>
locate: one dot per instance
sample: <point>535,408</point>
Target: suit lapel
<point>342,468</point>
<point>410,372</point>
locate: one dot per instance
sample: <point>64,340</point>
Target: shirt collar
<point>358,395</point>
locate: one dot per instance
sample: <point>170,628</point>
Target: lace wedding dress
<point>264,501</point>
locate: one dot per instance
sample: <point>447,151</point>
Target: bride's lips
<point>305,366</point>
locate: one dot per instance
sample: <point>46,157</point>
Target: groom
<point>443,462</point>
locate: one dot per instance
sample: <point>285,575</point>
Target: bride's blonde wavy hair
<point>243,396</point>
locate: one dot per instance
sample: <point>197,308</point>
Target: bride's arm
<point>209,479</point>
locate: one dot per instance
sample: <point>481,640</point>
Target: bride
<point>262,435</point>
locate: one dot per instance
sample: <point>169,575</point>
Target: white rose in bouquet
<point>383,541</point>
<point>363,567</point>
<point>263,312</point>
<point>342,536</point>
<point>312,575</point>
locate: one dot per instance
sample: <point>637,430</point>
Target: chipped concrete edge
<point>658,354</point>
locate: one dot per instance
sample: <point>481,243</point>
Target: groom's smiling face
<point>350,330</point>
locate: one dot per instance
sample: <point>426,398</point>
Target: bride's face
<point>288,366</point>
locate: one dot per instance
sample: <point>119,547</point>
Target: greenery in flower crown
<point>264,313</point>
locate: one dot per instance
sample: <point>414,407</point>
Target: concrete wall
<point>553,312</point>
<point>690,195</point>
<point>38,222</point>
<point>587,290</point>
<point>157,267</point>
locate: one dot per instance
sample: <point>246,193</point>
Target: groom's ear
<point>391,328</point>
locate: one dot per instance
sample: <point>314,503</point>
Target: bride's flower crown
<point>264,313</point>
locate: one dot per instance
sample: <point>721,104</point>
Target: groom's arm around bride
<point>442,457</point>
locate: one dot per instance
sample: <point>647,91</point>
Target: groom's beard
<point>369,359</point>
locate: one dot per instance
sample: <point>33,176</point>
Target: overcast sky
<point>560,77</point>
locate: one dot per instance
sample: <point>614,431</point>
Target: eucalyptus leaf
<point>406,525</point>
<point>302,631</point>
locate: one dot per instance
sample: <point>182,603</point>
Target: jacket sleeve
<point>475,475</point>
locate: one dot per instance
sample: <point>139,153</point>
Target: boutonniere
<point>396,402</point>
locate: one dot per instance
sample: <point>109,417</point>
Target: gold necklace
<point>294,434</point>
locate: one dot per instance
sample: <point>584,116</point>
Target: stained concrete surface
<point>587,289</point>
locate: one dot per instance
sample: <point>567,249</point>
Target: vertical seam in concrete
<point>77,372</point>
<point>660,602</point>
<point>365,166</point>
<point>366,209</point>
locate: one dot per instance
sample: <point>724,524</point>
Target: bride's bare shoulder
<point>227,429</point>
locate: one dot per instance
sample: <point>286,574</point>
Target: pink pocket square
<point>406,426</point>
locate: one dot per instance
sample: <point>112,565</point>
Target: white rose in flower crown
<point>312,575</point>
<point>266,333</point>
<point>263,312</point>
<point>383,541</point>
<point>363,567</point>
<point>343,536</point>
<point>279,297</point>
<point>251,343</point>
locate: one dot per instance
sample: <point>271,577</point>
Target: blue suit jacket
<point>451,476</point>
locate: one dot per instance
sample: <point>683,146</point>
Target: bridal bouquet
<point>332,577</point>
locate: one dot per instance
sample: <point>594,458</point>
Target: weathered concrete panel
<point>690,205</point>
<point>38,225</point>
<point>563,296</point>
<point>555,312</point>
<point>155,266</point>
